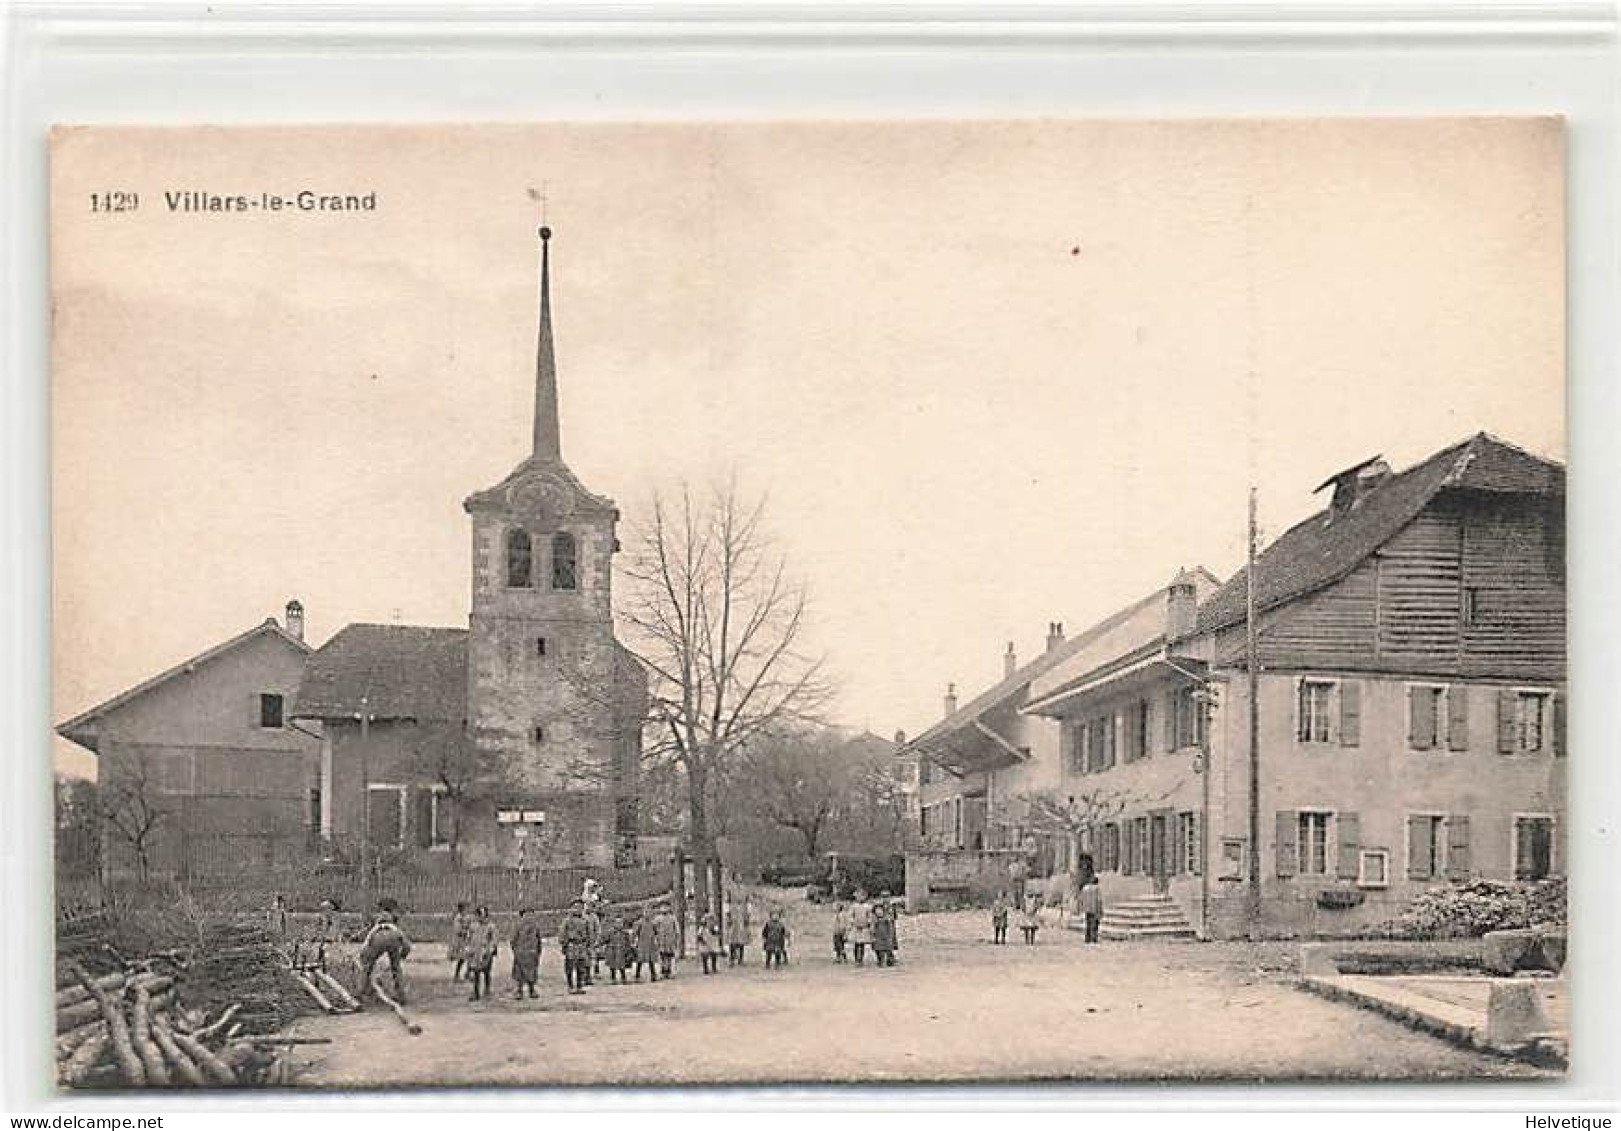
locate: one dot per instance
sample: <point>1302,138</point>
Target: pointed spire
<point>548,443</point>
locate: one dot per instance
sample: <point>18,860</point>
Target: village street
<point>955,1008</point>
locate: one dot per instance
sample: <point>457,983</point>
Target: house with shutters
<point>201,769</point>
<point>1411,677</point>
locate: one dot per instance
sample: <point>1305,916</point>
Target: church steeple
<point>548,443</point>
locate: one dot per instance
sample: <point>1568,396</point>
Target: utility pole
<point>1253,676</point>
<point>365,800</point>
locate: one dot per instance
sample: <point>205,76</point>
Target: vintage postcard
<point>819,602</point>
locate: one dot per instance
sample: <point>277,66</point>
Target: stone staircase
<point>1146,917</point>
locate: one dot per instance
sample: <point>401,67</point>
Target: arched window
<point>520,559</point>
<point>565,562</point>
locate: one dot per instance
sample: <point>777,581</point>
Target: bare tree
<point>131,807</point>
<point>798,779</point>
<point>441,750</point>
<point>1076,816</point>
<point>717,622</point>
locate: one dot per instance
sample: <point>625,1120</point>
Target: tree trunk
<point>698,828</point>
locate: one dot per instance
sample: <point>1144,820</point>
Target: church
<point>513,742</point>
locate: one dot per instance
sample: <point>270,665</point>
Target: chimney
<point>1055,634</point>
<point>295,619</point>
<point>1181,606</point>
<point>900,738</point>
<point>1010,661</point>
<point>951,699</point>
<point>1354,484</point>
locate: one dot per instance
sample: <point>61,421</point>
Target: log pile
<point>204,1015</point>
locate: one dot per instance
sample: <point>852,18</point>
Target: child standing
<point>709,944</point>
<point>883,934</point>
<point>646,939</point>
<point>618,949</point>
<point>593,923</point>
<point>999,920</point>
<point>1091,906</point>
<point>775,937</point>
<point>861,926</point>
<point>461,934</point>
<point>526,952</point>
<point>481,948</point>
<point>575,936</point>
<point>737,932</point>
<point>1031,921</point>
<point>669,939</point>
<point>841,930</point>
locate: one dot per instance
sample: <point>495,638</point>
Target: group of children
<point>590,939</point>
<point>1089,905</point>
<point>862,924</point>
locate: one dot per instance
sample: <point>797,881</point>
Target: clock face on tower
<point>541,496</point>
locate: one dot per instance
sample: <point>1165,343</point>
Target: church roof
<point>391,671</point>
<point>84,728</point>
<point>1327,546</point>
<point>499,496</point>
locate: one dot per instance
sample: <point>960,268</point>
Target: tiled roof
<point>999,693</point>
<point>401,671</point>
<point>82,729</point>
<point>1318,552</point>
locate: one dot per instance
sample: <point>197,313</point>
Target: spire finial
<point>548,444</point>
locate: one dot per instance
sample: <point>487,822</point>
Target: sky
<point>988,375</point>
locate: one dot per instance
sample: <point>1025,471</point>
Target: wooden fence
<point>417,893</point>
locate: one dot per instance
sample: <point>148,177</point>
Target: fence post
<point>678,892</point>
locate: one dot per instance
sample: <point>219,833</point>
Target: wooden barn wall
<point>1402,610</point>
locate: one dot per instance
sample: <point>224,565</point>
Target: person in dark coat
<point>617,948</point>
<point>481,947</point>
<point>999,912</point>
<point>883,933</point>
<point>575,936</point>
<point>774,937</point>
<point>526,953</point>
<point>1091,906</point>
<point>669,936</point>
<point>645,938</point>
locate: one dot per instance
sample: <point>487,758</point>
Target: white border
<point>590,61</point>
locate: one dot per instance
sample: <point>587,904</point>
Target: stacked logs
<point>198,1017</point>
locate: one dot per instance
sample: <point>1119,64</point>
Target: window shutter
<point>1283,842</point>
<point>1420,718</point>
<point>254,709</point>
<point>1506,700</point>
<point>1349,826</point>
<point>1300,711</point>
<point>1198,844</point>
<point>1171,703</point>
<point>1458,863</point>
<point>421,817</point>
<point>1419,864</point>
<point>1350,712</point>
<point>1458,717</point>
<point>1179,849</point>
<point>1558,708</point>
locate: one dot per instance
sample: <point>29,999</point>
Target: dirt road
<point>955,1009</point>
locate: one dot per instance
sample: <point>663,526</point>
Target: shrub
<point>1471,909</point>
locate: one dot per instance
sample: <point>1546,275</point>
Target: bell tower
<point>543,666</point>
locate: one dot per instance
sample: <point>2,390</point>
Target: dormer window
<point>520,560</point>
<point>565,561</point>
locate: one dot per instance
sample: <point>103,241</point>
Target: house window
<point>540,646</point>
<point>1531,721</point>
<point>1109,848</point>
<point>1232,858</point>
<point>1314,716</point>
<point>1426,717</point>
<point>1075,747</point>
<point>1187,719</point>
<point>1137,730</point>
<point>1187,838</point>
<point>520,559</point>
<point>565,573</point>
<point>1533,847</point>
<point>1426,846</point>
<point>1373,868</point>
<point>538,735</point>
<point>385,815</point>
<point>1311,842</point>
<point>270,711</point>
